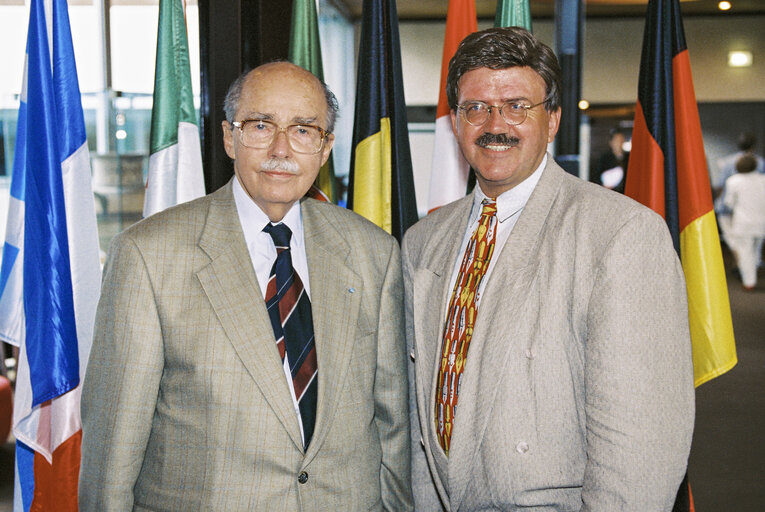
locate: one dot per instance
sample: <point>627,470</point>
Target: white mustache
<point>278,164</point>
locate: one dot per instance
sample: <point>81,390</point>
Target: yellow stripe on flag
<point>372,186</point>
<point>714,350</point>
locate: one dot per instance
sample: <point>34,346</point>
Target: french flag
<point>50,274</point>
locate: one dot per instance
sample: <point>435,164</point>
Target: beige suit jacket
<point>578,386</point>
<point>185,405</point>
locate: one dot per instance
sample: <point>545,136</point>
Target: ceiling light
<point>740,59</point>
<point>724,5</point>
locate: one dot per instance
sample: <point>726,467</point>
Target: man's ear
<point>327,148</point>
<point>228,139</point>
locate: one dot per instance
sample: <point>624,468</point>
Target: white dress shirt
<point>263,255</point>
<point>509,207</point>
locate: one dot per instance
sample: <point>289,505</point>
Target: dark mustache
<point>497,138</point>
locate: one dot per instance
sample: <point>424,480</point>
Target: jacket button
<point>522,447</point>
<point>303,477</point>
<point>529,354</point>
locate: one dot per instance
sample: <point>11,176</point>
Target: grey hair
<point>231,103</point>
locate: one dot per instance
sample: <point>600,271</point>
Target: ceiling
<point>436,9</point>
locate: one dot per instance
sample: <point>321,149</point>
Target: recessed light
<point>739,59</point>
<point>724,5</point>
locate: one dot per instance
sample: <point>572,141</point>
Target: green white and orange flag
<point>449,169</point>
<point>381,186</point>
<point>513,13</point>
<point>668,173</point>
<point>175,161</point>
<point>305,51</point>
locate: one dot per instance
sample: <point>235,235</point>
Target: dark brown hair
<point>502,48</point>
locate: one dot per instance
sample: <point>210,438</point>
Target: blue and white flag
<point>50,274</point>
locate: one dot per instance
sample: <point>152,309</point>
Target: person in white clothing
<point>745,196</point>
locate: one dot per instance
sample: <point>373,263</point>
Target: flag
<point>449,169</point>
<point>513,13</point>
<point>667,172</point>
<point>50,275</point>
<point>305,51</point>
<point>381,186</point>
<point>175,160</point>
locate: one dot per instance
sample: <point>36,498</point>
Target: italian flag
<point>175,163</point>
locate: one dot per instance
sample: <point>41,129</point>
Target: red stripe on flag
<point>645,174</point>
<point>56,484</point>
<point>695,198</point>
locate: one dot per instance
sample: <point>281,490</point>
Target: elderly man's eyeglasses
<point>478,112</point>
<point>302,138</point>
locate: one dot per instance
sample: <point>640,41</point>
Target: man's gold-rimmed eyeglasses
<point>302,138</point>
<point>478,112</point>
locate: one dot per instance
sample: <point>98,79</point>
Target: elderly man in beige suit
<point>576,392</point>
<point>197,396</point>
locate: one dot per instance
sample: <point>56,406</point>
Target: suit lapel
<point>336,292</point>
<point>232,289</point>
<point>505,293</point>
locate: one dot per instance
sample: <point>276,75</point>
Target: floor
<point>727,464</point>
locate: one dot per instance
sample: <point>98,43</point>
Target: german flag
<point>381,186</point>
<point>668,173</point>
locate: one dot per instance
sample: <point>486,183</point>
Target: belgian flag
<point>668,173</point>
<point>381,186</point>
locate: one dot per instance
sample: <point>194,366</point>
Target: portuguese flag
<point>381,185</point>
<point>175,161</point>
<point>305,51</point>
<point>668,173</point>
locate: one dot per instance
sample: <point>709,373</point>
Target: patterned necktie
<point>460,318</point>
<point>290,311</point>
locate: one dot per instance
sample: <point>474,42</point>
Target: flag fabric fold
<point>381,186</point>
<point>50,275</point>
<point>305,51</point>
<point>668,173</point>
<point>449,169</point>
<point>513,13</point>
<point>175,161</point>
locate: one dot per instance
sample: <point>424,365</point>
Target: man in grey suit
<point>576,392</point>
<point>199,393</point>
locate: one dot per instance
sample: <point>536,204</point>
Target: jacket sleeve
<point>390,390</point>
<point>639,398</point>
<point>120,388</point>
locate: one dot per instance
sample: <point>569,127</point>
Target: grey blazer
<point>185,405</point>
<point>578,387</point>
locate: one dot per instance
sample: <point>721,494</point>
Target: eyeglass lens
<point>301,138</point>
<point>477,113</point>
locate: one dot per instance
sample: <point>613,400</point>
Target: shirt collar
<point>253,219</point>
<point>511,201</point>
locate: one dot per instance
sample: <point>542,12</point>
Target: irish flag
<point>50,276</point>
<point>449,170</point>
<point>175,163</point>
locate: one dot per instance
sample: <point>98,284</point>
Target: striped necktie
<point>289,309</point>
<point>460,318</point>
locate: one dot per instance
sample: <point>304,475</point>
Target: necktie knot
<point>489,207</point>
<point>280,234</point>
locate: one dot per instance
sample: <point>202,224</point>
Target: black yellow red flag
<point>381,185</point>
<point>668,173</point>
